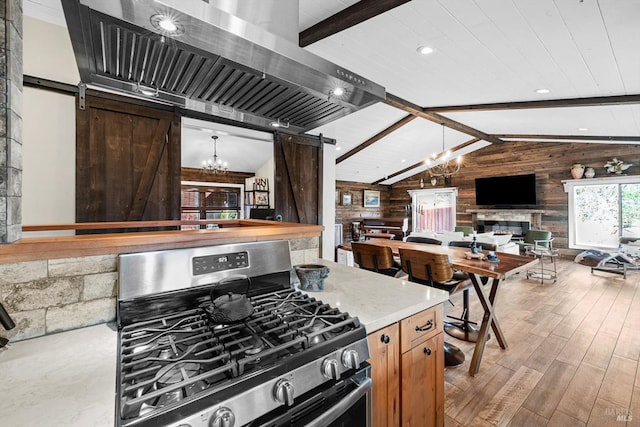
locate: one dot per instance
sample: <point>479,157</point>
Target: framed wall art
<point>346,198</point>
<point>371,199</point>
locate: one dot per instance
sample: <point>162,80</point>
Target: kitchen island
<point>69,378</point>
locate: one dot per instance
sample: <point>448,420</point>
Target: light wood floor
<point>572,360</point>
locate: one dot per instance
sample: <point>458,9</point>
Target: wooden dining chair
<point>435,270</point>
<point>374,258</point>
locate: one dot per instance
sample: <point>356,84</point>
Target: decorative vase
<point>577,170</point>
<point>589,173</point>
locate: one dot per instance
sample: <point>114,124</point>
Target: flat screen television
<point>506,191</point>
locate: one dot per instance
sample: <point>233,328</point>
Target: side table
<point>544,255</point>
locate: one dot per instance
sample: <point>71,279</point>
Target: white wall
<point>48,53</point>
<point>48,176</point>
<point>328,201</point>
<point>49,158</point>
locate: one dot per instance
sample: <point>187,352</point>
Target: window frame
<point>202,209</point>
<point>571,184</point>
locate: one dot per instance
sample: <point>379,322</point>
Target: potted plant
<point>615,166</point>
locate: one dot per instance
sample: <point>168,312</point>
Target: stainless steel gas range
<point>217,336</point>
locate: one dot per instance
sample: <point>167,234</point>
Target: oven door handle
<point>341,407</point>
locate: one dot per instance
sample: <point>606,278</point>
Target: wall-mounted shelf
<point>256,193</point>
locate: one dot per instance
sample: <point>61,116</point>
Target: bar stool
<point>434,269</point>
<point>374,258</point>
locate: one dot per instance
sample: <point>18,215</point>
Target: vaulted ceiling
<point>478,86</point>
<point>489,58</point>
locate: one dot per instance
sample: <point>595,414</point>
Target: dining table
<point>507,265</point>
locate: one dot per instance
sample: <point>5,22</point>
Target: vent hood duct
<point>217,63</point>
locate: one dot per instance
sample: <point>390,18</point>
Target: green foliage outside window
<point>630,207</point>
<point>601,204</point>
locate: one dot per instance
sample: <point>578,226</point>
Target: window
<point>209,202</point>
<point>434,209</point>
<point>603,210</point>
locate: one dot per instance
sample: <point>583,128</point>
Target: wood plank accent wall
<point>356,211</point>
<point>551,162</point>
<point>197,174</point>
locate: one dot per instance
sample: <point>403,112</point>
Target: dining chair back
<point>374,258</point>
<point>426,240</point>
<point>428,268</point>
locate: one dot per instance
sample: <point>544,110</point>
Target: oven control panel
<point>219,262</point>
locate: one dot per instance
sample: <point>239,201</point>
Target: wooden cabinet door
<point>298,180</point>
<point>127,162</point>
<point>384,346</point>
<point>423,384</point>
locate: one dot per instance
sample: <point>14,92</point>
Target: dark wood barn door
<point>298,178</point>
<point>127,162</point>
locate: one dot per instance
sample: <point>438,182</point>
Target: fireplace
<point>517,228</point>
<point>514,221</point>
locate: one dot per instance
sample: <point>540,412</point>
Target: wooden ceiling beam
<point>572,137</point>
<point>549,103</point>
<point>347,18</point>
<point>403,121</point>
<point>416,110</point>
<point>421,163</point>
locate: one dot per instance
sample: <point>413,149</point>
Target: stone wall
<point>10,120</point>
<point>56,295</point>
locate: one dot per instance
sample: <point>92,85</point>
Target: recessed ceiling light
<point>337,91</point>
<point>583,129</point>
<point>424,50</point>
<point>338,148</point>
<point>542,91</point>
<point>167,24</point>
<point>403,160</point>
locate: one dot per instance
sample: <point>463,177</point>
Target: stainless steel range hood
<point>216,63</point>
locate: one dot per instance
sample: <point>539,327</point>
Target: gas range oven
<point>276,357</point>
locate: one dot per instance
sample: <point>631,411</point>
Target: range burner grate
<point>176,358</point>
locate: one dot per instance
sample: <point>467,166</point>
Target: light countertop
<point>69,378</point>
<point>376,299</point>
<point>65,379</point>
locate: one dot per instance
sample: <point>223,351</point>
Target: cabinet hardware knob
<point>426,327</point>
<point>385,338</point>
<point>427,351</point>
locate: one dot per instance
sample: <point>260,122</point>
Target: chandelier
<point>446,167</point>
<point>215,165</point>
